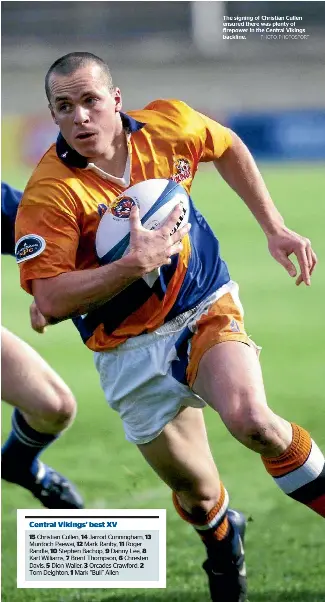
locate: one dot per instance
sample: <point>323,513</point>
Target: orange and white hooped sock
<point>300,471</point>
<point>215,525</point>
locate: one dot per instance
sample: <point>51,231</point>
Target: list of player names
<point>117,549</point>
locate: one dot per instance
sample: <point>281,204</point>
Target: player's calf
<point>230,380</point>
<point>222,532</point>
<point>289,454</point>
<point>300,470</point>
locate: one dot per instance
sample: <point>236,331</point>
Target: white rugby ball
<point>155,198</point>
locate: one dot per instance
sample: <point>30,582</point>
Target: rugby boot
<point>51,488</point>
<point>225,565</point>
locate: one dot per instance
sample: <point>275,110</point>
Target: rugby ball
<point>155,198</point>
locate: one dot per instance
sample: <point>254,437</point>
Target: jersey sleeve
<point>216,138</point>
<point>209,137</point>
<point>46,232</point>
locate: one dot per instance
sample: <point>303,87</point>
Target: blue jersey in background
<point>10,199</point>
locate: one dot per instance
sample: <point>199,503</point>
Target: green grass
<point>285,541</point>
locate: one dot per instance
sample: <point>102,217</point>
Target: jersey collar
<point>72,158</point>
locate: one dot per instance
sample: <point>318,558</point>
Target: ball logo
<point>102,208</point>
<point>122,207</point>
<point>154,225</point>
<point>181,217</point>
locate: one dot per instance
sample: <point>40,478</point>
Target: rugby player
<point>44,405</point>
<point>162,351</point>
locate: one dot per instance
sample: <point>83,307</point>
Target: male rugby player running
<point>165,350</point>
<point>44,405</point>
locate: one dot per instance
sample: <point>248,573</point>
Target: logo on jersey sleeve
<point>122,207</point>
<point>183,170</point>
<point>29,246</point>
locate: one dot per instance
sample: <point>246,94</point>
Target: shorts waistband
<point>173,326</point>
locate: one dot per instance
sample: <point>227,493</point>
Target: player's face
<point>86,110</point>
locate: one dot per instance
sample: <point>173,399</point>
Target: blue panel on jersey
<point>206,270</point>
<point>165,276</point>
<point>115,311</point>
<point>206,273</point>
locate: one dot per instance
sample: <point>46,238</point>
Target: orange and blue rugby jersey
<point>64,200</point>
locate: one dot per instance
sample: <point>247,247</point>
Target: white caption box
<point>91,548</point>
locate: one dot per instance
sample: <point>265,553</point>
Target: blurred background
<point>272,93</point>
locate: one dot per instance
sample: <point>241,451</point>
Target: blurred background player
<point>44,405</point>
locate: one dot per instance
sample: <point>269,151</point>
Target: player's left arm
<point>10,199</point>
<point>238,168</point>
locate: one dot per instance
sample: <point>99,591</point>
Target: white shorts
<point>144,379</point>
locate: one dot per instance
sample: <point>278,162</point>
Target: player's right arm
<point>49,273</point>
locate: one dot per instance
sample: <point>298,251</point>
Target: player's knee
<point>61,408</point>
<point>247,419</point>
<point>199,500</point>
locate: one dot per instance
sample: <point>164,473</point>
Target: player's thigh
<point>229,378</point>
<point>27,381</point>
<point>181,455</point>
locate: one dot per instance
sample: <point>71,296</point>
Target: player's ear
<point>52,113</point>
<point>118,99</point>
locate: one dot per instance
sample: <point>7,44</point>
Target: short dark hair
<point>69,63</point>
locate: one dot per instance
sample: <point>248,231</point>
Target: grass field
<point>285,541</point>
